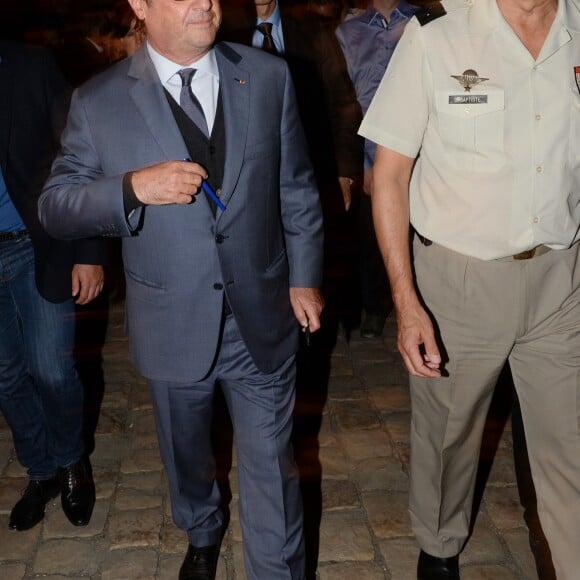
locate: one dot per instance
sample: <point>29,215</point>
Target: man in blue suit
<point>216,292</point>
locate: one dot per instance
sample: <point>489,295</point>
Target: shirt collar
<point>484,15</point>
<point>166,69</point>
<point>274,18</point>
<point>570,15</point>
<point>406,9</point>
<point>402,11</point>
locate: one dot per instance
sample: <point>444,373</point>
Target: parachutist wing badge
<point>469,79</point>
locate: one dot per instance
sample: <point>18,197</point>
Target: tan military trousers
<point>487,312</point>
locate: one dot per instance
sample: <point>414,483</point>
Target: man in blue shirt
<point>368,40</point>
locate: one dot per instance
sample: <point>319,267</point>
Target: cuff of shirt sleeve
<point>130,201</point>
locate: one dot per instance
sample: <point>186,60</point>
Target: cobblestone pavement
<point>352,448</point>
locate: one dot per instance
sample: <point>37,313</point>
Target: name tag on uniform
<point>467,99</point>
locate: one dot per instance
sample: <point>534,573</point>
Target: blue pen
<point>207,188</point>
<point>210,192</point>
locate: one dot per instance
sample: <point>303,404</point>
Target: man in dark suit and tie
<point>217,285</point>
<point>327,102</point>
<point>41,278</point>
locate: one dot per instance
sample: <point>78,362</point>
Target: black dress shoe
<point>77,492</point>
<point>200,563</point>
<point>30,509</point>
<point>372,326</point>
<point>432,568</point>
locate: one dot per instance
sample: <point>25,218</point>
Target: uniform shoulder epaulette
<point>430,12</point>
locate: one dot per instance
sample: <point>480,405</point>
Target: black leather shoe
<point>200,563</point>
<point>77,492</point>
<point>432,568</point>
<point>30,509</point>
<point>372,326</point>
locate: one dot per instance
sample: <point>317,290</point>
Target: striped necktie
<point>189,103</point>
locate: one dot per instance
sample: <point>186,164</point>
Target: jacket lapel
<point>235,84</point>
<point>151,102</point>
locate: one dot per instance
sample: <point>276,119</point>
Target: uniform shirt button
<point>540,169</point>
<point>536,220</point>
<point>538,117</point>
<point>218,286</point>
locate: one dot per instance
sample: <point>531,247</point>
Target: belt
<point>425,241</point>
<point>526,255</point>
<point>537,251</point>
<point>11,236</point>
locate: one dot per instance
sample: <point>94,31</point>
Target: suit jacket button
<point>218,286</point>
<point>219,238</point>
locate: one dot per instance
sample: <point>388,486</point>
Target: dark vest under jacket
<point>210,153</point>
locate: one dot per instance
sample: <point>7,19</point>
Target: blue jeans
<point>41,395</point>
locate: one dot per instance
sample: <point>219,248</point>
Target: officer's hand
<point>168,182</point>
<point>416,341</point>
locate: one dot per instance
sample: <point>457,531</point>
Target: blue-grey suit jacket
<point>179,259</point>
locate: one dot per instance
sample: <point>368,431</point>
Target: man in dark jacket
<point>41,396</point>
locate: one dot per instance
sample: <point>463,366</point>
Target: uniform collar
<point>484,15</point>
<point>571,15</point>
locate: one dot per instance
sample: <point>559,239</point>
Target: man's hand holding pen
<point>168,182</point>
<point>307,304</point>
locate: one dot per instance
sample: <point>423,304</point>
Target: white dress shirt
<point>204,84</point>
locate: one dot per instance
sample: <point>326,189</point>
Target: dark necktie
<point>268,43</point>
<point>189,103</point>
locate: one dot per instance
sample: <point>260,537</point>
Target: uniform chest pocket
<point>574,149</point>
<point>471,128</point>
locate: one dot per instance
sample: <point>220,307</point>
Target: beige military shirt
<point>497,132</point>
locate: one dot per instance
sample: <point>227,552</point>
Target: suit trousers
<point>487,312</point>
<point>261,407</point>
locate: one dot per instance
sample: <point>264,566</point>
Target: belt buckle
<point>525,255</point>
<point>7,236</point>
<point>12,236</point>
